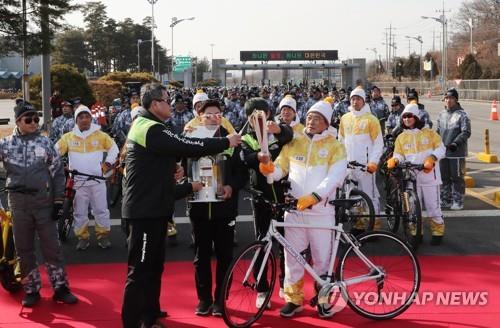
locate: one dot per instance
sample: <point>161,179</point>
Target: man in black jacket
<point>453,125</point>
<point>280,134</point>
<point>213,222</point>
<point>148,200</point>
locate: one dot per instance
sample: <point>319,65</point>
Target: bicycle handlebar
<point>90,176</point>
<point>409,165</point>
<point>19,189</point>
<point>289,204</point>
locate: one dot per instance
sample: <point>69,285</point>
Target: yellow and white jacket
<point>316,164</point>
<point>415,146</point>
<point>86,150</point>
<point>360,132</point>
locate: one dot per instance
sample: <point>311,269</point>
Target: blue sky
<point>234,25</point>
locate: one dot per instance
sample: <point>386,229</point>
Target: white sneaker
<point>261,297</point>
<point>282,293</point>
<point>456,207</point>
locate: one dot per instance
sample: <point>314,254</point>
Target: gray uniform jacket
<point>453,125</point>
<point>32,162</point>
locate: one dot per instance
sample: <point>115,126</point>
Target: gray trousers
<point>27,223</point>
<point>452,174</point>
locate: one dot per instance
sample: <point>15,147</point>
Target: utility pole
<point>409,48</point>
<point>25,80</point>
<point>46,87</point>
<point>433,40</point>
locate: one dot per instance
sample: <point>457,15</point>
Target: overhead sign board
<point>288,55</point>
<point>182,63</point>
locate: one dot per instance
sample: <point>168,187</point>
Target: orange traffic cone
<point>494,114</point>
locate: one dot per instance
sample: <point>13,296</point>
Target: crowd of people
<point>313,133</point>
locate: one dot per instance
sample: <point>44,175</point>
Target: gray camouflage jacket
<point>453,125</point>
<point>32,162</point>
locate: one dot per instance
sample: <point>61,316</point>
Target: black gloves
<point>57,210</point>
<point>452,147</point>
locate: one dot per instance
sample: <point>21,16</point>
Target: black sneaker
<point>30,299</point>
<point>63,295</point>
<point>290,309</point>
<point>203,308</point>
<point>217,310</point>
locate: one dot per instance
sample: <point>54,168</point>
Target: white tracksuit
<point>86,153</point>
<point>313,165</point>
<point>361,134</point>
<point>415,146</point>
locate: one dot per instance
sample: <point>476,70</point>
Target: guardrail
<point>467,89</point>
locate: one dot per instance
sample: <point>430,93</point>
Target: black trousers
<point>146,255</point>
<point>452,174</point>
<point>263,215</point>
<point>215,234</point>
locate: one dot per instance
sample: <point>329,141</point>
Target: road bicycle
<point>10,273</point>
<point>65,220</point>
<point>377,273</point>
<point>361,215</point>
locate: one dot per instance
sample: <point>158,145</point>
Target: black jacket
<point>236,176</point>
<point>250,150</point>
<point>152,151</point>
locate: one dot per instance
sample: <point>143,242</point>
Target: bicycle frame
<point>273,233</point>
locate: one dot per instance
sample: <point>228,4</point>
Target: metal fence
<point>467,89</point>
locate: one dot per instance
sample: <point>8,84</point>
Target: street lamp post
<point>175,21</point>
<point>419,39</point>
<point>139,41</point>
<point>375,52</point>
<point>152,2</point>
<point>470,25</point>
<point>443,22</point>
<point>212,61</point>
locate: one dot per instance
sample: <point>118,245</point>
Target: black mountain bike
<point>402,202</point>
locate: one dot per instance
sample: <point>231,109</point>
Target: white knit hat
<point>411,108</point>
<point>134,112</point>
<point>289,102</point>
<point>358,92</point>
<point>324,108</point>
<point>201,96</point>
<point>82,109</point>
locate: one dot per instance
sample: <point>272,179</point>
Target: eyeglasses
<point>31,119</point>
<point>163,100</point>
<point>215,115</point>
<point>407,115</point>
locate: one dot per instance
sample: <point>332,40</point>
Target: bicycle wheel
<point>9,266</point>
<point>9,280</point>
<point>65,221</point>
<point>240,294</point>
<point>361,216</point>
<point>412,221</point>
<point>393,212</point>
<point>390,295</point>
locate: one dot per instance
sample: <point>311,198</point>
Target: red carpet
<point>100,289</point>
